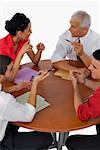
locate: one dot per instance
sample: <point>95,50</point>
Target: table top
<point>60,116</point>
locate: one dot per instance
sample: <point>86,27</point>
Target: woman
<point>19,28</point>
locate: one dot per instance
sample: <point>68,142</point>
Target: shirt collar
<point>73,39</point>
<point>81,38</point>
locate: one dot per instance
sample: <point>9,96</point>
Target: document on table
<point>25,74</point>
<point>63,74</point>
<point>40,102</point>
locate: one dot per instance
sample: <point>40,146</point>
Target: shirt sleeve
<point>60,52</point>
<point>19,112</point>
<point>97,44</point>
<point>91,108</point>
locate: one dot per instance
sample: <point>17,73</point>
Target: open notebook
<point>63,74</point>
<point>40,103</point>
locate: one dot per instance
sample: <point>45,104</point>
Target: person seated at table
<point>14,67</point>
<point>19,28</point>
<point>12,111</point>
<point>88,109</point>
<point>78,35</point>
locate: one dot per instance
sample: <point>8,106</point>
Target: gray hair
<point>84,16</point>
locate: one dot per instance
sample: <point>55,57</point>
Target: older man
<point>79,40</point>
<point>12,111</point>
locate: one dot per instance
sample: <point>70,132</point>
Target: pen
<point>68,40</point>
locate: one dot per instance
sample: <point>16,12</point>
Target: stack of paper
<point>25,74</point>
<point>40,102</point>
<point>63,74</point>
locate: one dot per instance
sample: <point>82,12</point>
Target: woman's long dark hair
<point>18,22</point>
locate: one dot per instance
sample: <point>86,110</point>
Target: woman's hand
<point>25,48</point>
<point>40,47</point>
<point>41,76</point>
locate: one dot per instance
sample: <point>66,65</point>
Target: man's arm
<point>86,59</point>
<point>58,57</point>
<point>77,96</point>
<point>63,65</point>
<point>88,109</point>
<point>81,78</point>
<point>59,54</point>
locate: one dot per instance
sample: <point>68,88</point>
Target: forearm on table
<point>77,97</point>
<point>63,66</point>
<point>91,84</point>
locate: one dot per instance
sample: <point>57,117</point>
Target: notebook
<point>40,103</point>
<point>63,74</point>
<point>25,74</point>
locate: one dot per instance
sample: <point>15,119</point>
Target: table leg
<point>62,139</point>
<point>55,143</point>
<point>65,138</point>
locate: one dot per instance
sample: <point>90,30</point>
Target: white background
<point>49,19</point>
